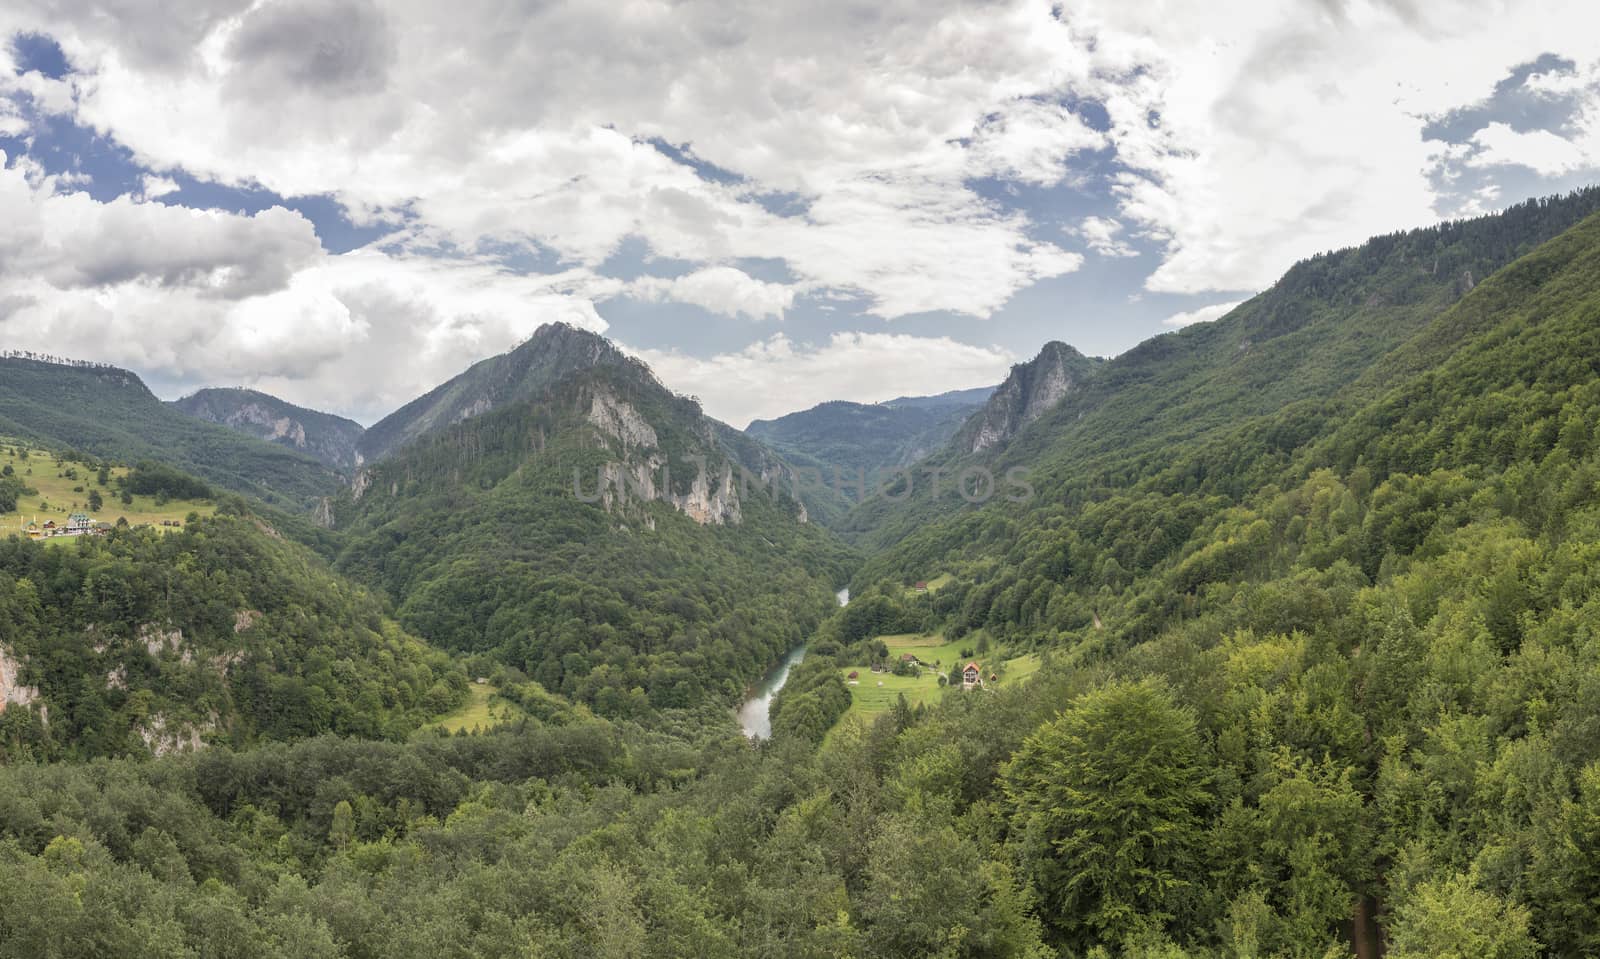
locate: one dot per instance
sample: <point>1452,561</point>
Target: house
<point>971,676</point>
<point>910,658</point>
<point>79,523</point>
<point>854,674</point>
<point>921,587</point>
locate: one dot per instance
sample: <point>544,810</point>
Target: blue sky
<point>345,203</point>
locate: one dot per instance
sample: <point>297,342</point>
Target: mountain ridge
<point>327,437</point>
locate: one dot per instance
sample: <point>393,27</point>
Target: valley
<point>1291,651</point>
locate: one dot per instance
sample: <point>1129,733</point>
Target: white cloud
<point>153,187</point>
<point>1204,314</point>
<point>1543,152</point>
<point>1032,142</point>
<point>776,375</point>
<point>72,241</point>
<point>908,137</point>
<point>720,289</point>
<point>1102,236</point>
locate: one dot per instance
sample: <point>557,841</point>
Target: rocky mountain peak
<point>1031,389</point>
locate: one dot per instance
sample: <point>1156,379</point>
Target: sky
<point>773,203</point>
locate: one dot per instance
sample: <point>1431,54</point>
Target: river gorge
<point>755,713</point>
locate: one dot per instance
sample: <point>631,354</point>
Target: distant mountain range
<point>869,437</point>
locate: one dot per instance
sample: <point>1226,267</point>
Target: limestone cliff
<point>1032,388</point>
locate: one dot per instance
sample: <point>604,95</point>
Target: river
<point>754,716</point>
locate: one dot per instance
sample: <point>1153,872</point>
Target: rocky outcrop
<point>712,498</point>
<point>711,502</point>
<point>618,419</point>
<point>1032,389</point>
<point>12,692</point>
<point>163,738</point>
<point>156,640</point>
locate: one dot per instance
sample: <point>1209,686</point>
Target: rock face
<point>1031,389</point>
<point>711,498</point>
<point>164,738</point>
<point>322,436</point>
<point>12,692</point>
<point>620,420</point>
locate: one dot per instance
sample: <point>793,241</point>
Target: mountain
<point>554,350</point>
<point>856,438</point>
<point>332,440</point>
<point>561,511</point>
<point>109,413</point>
<point>1030,391</point>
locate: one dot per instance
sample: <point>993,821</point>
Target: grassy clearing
<point>930,648</point>
<point>876,693</point>
<point>63,488</point>
<point>484,708</point>
<point>934,585</point>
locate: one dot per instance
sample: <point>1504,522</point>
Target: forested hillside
<point>144,640</point>
<point>110,414</point>
<point>553,351</point>
<point>1322,326</point>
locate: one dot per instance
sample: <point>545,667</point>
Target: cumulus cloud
<point>924,148</point>
<point>73,241</point>
<point>720,289</point>
<point>1543,152</point>
<point>1102,235</point>
<point>1204,314</point>
<point>777,375</point>
<point>329,49</point>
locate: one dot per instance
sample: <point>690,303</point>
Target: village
<point>78,524</point>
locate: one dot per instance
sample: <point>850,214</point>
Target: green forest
<point>1314,593</point>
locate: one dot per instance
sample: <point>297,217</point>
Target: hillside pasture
<point>62,488</point>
